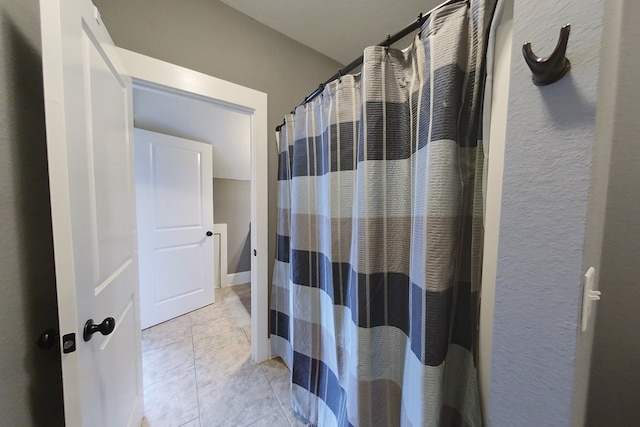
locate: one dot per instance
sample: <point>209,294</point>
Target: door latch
<point>69,343</point>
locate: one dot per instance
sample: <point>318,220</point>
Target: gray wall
<point>210,37</point>
<point>614,389</point>
<point>30,379</point>
<point>544,238</point>
<point>231,205</point>
<point>206,36</point>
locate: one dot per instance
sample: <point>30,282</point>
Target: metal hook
<point>553,67</point>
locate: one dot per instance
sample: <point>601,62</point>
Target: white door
<point>90,155</point>
<point>174,193</point>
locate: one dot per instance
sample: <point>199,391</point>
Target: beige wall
<point>228,196</point>
<point>30,378</point>
<point>210,37</point>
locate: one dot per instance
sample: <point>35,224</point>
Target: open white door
<point>90,154</point>
<point>174,193</point>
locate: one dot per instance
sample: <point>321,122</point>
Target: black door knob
<point>105,328</point>
<point>47,339</point>
<point>209,233</point>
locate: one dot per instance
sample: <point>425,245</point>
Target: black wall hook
<point>552,68</point>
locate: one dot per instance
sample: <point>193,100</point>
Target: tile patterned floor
<point>197,370</point>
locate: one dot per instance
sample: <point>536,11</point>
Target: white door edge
<point>86,92</point>
<point>159,75</point>
<point>221,230</point>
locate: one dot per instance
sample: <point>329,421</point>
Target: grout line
<point>163,376</point>
<point>282,408</point>
<point>171,335</point>
<point>195,371</point>
<point>190,421</point>
<point>215,319</point>
<point>224,342</point>
<point>162,348</point>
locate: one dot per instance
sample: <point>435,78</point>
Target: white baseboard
<point>238,278</point>
<point>227,279</point>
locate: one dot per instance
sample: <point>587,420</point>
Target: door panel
<point>89,126</point>
<point>178,190</point>
<point>174,193</point>
<point>179,271</point>
<point>115,372</point>
<point>108,177</point>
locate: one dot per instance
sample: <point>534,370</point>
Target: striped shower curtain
<point>374,303</point>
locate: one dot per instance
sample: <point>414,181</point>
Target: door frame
<point>152,73</point>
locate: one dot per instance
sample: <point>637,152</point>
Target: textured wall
<point>546,195</point>
<point>614,388</point>
<point>30,379</point>
<point>210,37</point>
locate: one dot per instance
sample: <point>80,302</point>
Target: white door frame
<point>152,73</point>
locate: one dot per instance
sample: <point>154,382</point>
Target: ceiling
<point>340,29</point>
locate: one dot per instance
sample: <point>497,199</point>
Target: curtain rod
<point>391,39</point>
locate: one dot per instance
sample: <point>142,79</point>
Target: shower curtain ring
<point>420,25</point>
<point>339,75</point>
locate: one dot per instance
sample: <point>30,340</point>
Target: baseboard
<point>238,278</point>
<point>227,279</point>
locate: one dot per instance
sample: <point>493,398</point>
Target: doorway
<point>229,104</point>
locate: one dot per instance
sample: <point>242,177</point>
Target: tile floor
<point>197,370</point>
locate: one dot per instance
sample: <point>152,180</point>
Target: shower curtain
<point>374,302</point>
